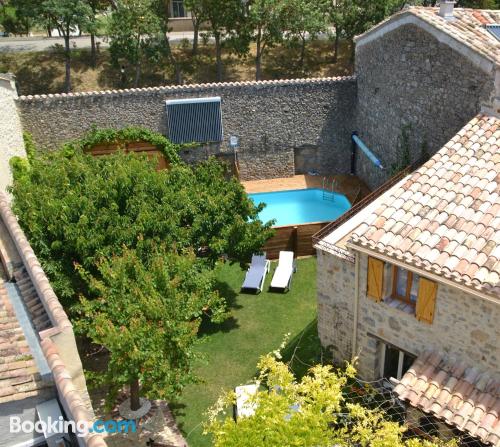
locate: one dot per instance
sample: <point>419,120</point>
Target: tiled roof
<point>446,217</point>
<point>168,89</point>
<point>19,375</point>
<point>468,28</point>
<point>457,393</point>
<point>38,315</point>
<point>68,393</point>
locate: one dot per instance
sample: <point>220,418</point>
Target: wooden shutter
<point>426,300</point>
<point>375,287</point>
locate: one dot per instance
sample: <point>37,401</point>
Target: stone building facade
<point>464,325</point>
<point>275,120</point>
<point>410,78</point>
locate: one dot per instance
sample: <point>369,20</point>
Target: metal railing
<point>317,239</point>
<point>328,188</point>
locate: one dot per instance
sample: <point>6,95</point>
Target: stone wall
<point>335,283</point>
<point>11,134</point>
<point>272,119</point>
<point>407,77</point>
<point>464,325</point>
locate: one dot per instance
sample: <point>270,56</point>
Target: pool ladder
<point>328,189</point>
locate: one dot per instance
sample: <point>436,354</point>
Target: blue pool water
<point>300,206</point>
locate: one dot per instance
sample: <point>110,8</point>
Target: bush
<point>77,210</point>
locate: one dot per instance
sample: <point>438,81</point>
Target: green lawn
<point>257,326</point>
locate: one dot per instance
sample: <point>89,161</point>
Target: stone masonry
<point>464,325</point>
<point>273,119</point>
<point>11,132</point>
<point>406,77</point>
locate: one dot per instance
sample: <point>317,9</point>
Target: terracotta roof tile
<point>455,230</point>
<point>460,394</point>
<point>18,372</point>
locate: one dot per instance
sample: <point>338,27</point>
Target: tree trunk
<point>258,67</point>
<point>218,56</point>
<point>196,37</point>
<point>137,74</point>
<point>49,31</point>
<point>93,52</point>
<point>336,47</point>
<point>173,61</point>
<point>302,52</point>
<point>258,57</point>
<point>67,57</point>
<point>135,401</point>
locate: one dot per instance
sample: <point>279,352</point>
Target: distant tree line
<point>138,29</point>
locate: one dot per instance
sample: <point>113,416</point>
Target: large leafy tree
<point>96,7</point>
<point>134,31</point>
<point>266,25</point>
<point>353,17</point>
<point>147,316</point>
<point>197,16</point>
<point>312,412</point>
<point>162,10</point>
<point>304,19</point>
<point>77,209</point>
<point>223,18</point>
<point>67,16</point>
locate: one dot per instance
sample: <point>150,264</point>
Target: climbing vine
<point>97,136</point>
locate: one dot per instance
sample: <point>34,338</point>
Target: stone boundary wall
<point>285,127</point>
<point>11,132</point>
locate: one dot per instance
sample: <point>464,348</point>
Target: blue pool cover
<point>301,206</point>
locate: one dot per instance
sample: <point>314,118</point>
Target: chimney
<point>446,9</point>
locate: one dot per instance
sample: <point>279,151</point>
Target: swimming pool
<point>301,206</point>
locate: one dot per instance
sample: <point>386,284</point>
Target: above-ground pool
<point>301,206</point>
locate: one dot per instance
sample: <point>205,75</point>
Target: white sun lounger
<point>282,278</point>
<point>243,407</point>
<point>256,274</point>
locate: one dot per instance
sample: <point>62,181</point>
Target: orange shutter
<point>426,300</point>
<point>375,287</point>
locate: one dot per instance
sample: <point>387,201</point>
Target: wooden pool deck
<point>298,238</point>
<point>349,185</point>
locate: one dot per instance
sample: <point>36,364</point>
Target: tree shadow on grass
<point>209,328</point>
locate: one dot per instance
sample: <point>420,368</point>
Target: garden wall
<point>275,120</point>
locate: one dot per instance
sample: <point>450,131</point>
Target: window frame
<point>401,357</point>
<point>178,6</point>
<point>409,281</point>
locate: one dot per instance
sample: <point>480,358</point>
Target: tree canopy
<point>77,209</point>
<point>147,315</point>
<point>134,33</point>
<point>311,412</point>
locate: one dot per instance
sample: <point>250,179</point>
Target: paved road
<point>14,44</point>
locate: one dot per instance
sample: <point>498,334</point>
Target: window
<point>394,362</point>
<point>404,285</point>
<point>178,8</point>
<point>407,291</point>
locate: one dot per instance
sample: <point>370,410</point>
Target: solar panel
<point>495,30</point>
<point>194,120</point>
